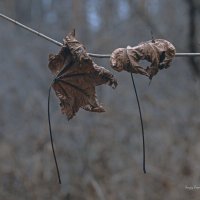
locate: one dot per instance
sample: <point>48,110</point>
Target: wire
<point>141,121</point>
<point>60,44</point>
<point>96,56</point>
<point>51,137</point>
<point>31,30</point>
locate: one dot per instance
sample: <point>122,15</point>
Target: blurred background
<point>99,155</point>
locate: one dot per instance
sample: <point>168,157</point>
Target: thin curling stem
<point>141,121</point>
<point>51,137</point>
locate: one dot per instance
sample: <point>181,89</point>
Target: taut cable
<point>60,44</point>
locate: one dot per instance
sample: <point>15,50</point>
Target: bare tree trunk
<point>79,19</point>
<point>23,10</point>
<point>192,42</point>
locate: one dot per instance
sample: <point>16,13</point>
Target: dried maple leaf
<point>158,52</point>
<point>76,78</point>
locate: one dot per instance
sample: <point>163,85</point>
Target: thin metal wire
<point>60,44</point>
<point>187,54</point>
<point>31,30</point>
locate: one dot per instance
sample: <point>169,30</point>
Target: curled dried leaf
<point>76,78</point>
<point>158,52</point>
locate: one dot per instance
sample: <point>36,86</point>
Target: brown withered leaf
<point>158,52</point>
<point>76,78</point>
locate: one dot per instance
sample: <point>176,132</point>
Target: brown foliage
<point>76,78</point>
<point>158,52</point>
